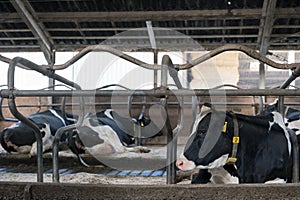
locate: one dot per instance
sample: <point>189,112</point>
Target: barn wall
<point>27,106</point>
<point>244,105</point>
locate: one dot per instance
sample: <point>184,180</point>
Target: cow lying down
<point>21,138</point>
<point>255,149</point>
<point>104,133</point>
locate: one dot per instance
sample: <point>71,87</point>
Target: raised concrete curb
<point>88,191</point>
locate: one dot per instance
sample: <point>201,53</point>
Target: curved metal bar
<point>171,141</point>
<point>137,125</point>
<point>55,145</point>
<point>13,108</point>
<point>8,60</point>
<point>2,118</point>
<point>1,113</point>
<point>174,74</point>
<point>101,48</point>
<point>235,47</point>
<point>18,115</point>
<point>227,85</point>
<point>229,47</point>
<point>295,74</point>
<point>112,85</point>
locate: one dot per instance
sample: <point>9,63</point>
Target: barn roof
<point>71,25</point>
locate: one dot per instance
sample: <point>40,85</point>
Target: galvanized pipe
<point>295,153</point>
<point>55,145</point>
<point>18,115</point>
<point>155,52</point>
<point>2,118</point>
<point>235,47</point>
<point>171,141</point>
<point>7,60</point>
<point>138,126</point>
<point>58,134</point>
<point>5,93</point>
<point>295,74</point>
<point>12,106</point>
<point>229,47</point>
<point>100,48</point>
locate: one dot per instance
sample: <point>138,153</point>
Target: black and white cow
<point>106,132</point>
<point>291,116</point>
<point>21,138</point>
<point>263,147</point>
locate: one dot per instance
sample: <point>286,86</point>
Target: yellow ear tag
<point>235,140</point>
<point>224,127</point>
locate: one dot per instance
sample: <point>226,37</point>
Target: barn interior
<point>245,51</point>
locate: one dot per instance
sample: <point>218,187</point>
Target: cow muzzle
<point>184,164</point>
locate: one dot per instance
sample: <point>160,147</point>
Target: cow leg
<point>277,180</point>
<point>202,177</point>
<point>138,149</point>
<point>47,140</point>
<point>24,149</point>
<point>220,175</point>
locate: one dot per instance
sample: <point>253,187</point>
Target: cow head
<point>84,136</point>
<point>5,143</point>
<point>19,137</point>
<point>210,142</point>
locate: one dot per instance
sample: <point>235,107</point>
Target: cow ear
<point>93,122</point>
<point>43,133</point>
<point>206,108</point>
<point>41,126</point>
<point>209,105</point>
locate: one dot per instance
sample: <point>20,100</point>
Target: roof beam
<point>29,16</point>
<point>265,30</point>
<point>115,28</point>
<point>124,16</point>
<point>78,47</point>
<point>266,24</point>
<point>152,15</point>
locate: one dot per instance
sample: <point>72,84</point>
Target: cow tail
<point>82,161</point>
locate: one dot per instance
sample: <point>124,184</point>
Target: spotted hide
<point>263,146</point>
<point>21,138</point>
<point>105,132</point>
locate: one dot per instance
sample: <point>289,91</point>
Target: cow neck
<point>235,140</point>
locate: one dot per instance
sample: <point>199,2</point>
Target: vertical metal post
<point>13,108</point>
<point>195,107</point>
<point>155,70</point>
<point>51,84</point>
<point>18,115</point>
<point>281,105</point>
<point>295,147</point>
<point>171,146</point>
<point>138,134</point>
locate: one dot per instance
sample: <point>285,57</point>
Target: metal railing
<point>161,92</point>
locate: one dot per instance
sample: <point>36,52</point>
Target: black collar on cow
<point>235,140</point>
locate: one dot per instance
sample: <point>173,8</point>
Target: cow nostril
<point>179,163</point>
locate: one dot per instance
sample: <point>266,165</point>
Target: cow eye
<point>43,133</point>
<point>202,131</point>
